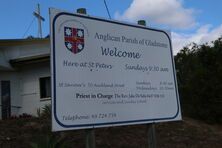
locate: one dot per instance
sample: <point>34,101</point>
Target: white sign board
<point>108,73</point>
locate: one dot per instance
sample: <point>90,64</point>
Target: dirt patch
<point>189,133</point>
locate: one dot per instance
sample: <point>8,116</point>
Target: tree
<point>199,73</point>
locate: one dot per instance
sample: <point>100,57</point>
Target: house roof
<point>30,60</point>
<point>16,42</point>
<point>15,60</point>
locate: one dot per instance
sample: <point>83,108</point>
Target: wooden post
<point>151,133</point>
<point>89,133</point>
<point>142,22</point>
<point>81,10</point>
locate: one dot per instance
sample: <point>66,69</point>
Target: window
<point>45,87</point>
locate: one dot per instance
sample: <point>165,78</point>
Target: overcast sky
<point>189,21</point>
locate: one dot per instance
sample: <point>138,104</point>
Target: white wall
<point>30,87</point>
<point>24,80</point>
<point>25,88</point>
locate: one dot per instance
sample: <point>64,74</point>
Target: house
<point>24,76</point>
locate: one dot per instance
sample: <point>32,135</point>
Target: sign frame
<point>105,124</point>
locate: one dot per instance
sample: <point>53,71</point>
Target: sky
<point>197,21</point>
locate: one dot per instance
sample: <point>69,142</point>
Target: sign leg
<point>151,135</point>
<point>90,138</point>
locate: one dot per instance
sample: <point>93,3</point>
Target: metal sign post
<point>90,138</point>
<point>151,135</point>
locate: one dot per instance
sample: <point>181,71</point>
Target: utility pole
<point>40,18</point>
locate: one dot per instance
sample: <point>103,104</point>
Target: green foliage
<point>39,112</point>
<point>48,141</point>
<point>199,73</point>
<point>45,112</point>
<point>44,116</point>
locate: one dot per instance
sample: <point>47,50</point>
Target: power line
<point>28,27</point>
<point>107,9</point>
